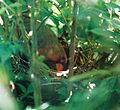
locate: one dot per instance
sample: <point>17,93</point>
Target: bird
<point>49,46</point>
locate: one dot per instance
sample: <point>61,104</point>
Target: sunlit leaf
<point>102,32</point>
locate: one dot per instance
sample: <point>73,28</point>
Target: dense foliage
<point>89,32</point>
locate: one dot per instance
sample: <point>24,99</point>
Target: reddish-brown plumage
<point>49,46</point>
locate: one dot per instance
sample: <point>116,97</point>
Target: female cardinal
<point>48,45</point>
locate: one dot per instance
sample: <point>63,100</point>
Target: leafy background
<point>94,84</point>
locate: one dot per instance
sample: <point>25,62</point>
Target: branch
<point>72,44</point>
<point>36,81</point>
<point>96,74</point>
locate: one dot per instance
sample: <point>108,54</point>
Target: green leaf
<point>101,32</point>
<point>22,87</point>
<point>41,58</point>
<point>9,7</point>
<point>30,88</point>
<point>112,5</point>
<point>1,31</point>
<point>5,52</point>
<point>94,97</point>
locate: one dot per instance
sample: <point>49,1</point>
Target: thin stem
<point>6,23</point>
<point>72,44</point>
<point>7,6</point>
<point>97,74</point>
<point>22,29</point>
<point>36,82</point>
